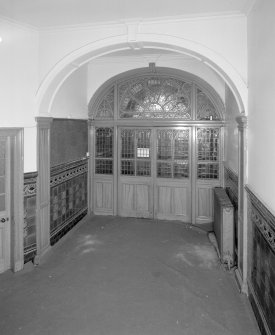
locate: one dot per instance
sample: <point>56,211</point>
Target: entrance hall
<point>126,276</point>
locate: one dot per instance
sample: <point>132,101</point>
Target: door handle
<point>4,220</point>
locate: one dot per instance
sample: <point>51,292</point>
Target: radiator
<point>224,226</point>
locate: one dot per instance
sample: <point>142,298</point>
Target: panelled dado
<point>156,143</point>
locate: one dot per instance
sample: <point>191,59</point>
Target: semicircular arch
<point>72,61</point>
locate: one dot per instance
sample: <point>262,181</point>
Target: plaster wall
<point>261,116</point>
<point>224,36</point>
<point>71,99</point>
<point>231,130</point>
<point>19,83</point>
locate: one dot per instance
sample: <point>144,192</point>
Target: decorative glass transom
<point>157,97</point>
<point>154,97</point>
<point>105,109</point>
<point>205,108</point>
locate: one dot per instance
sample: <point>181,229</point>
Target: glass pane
<point>2,185</point>
<point>127,168</point>
<point>164,170</point>
<point>205,108</point>
<point>2,148</point>
<point>2,167</point>
<point>127,143</point>
<point>164,144</point>
<point>104,142</point>
<point>143,168</point>
<point>181,144</point>
<point>2,202</point>
<point>181,170</point>
<point>208,144</point>
<point>105,109</point>
<point>208,171</point>
<point>155,97</point>
<point>104,166</point>
<point>143,143</point>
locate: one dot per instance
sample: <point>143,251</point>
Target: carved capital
<point>242,122</point>
<point>44,122</point>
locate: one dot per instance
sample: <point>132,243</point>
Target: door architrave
<point>16,195</point>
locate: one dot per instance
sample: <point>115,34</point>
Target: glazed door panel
<point>135,181</point>
<point>103,183</point>
<point>4,204</point>
<point>173,174</point>
<point>207,171</point>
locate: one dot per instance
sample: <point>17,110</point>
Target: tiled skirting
<point>231,186</point>
<point>261,275</point>
<point>68,193</point>
<point>30,180</point>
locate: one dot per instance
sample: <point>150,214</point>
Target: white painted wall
<point>102,69</point>
<point>224,37</point>
<point>71,100</point>
<point>231,130</point>
<point>18,83</point>
<point>261,116</point>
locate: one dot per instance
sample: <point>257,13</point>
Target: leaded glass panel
<point>136,152</point>
<point>208,142</point>
<point>155,97</point>
<point>104,151</point>
<point>105,109</point>
<point>205,108</point>
<point>173,153</point>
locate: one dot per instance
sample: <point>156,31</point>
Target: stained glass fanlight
<point>154,97</point>
<point>105,109</point>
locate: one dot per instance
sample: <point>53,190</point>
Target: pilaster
<point>242,204</point>
<point>43,186</point>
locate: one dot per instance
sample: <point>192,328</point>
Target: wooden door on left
<point>5,231</point>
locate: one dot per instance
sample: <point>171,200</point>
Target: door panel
<point>173,202</point>
<point>207,171</point>
<point>103,196</point>
<point>173,177</point>
<point>4,204</point>
<point>135,181</point>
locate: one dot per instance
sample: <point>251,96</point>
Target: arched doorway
<point>156,144</point>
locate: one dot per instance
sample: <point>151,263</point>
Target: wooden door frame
<point>16,196</point>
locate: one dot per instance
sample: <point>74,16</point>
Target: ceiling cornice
<point>159,20</point>
<point>18,24</point>
<point>249,6</point>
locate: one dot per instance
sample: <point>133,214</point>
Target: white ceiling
<point>47,13</point>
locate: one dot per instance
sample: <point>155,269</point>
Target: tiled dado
<point>262,259</point>
<point>30,180</point>
<point>231,186</point>
<point>68,193</point>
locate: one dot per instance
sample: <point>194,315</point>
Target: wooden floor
<point>121,276</point>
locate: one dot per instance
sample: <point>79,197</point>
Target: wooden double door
<point>154,173</point>
<point>157,172</point>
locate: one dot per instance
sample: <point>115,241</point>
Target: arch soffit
<point>162,71</point>
<point>73,61</point>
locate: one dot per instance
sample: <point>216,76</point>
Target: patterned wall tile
<point>30,180</point>
<point>262,259</point>
<point>68,197</point>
